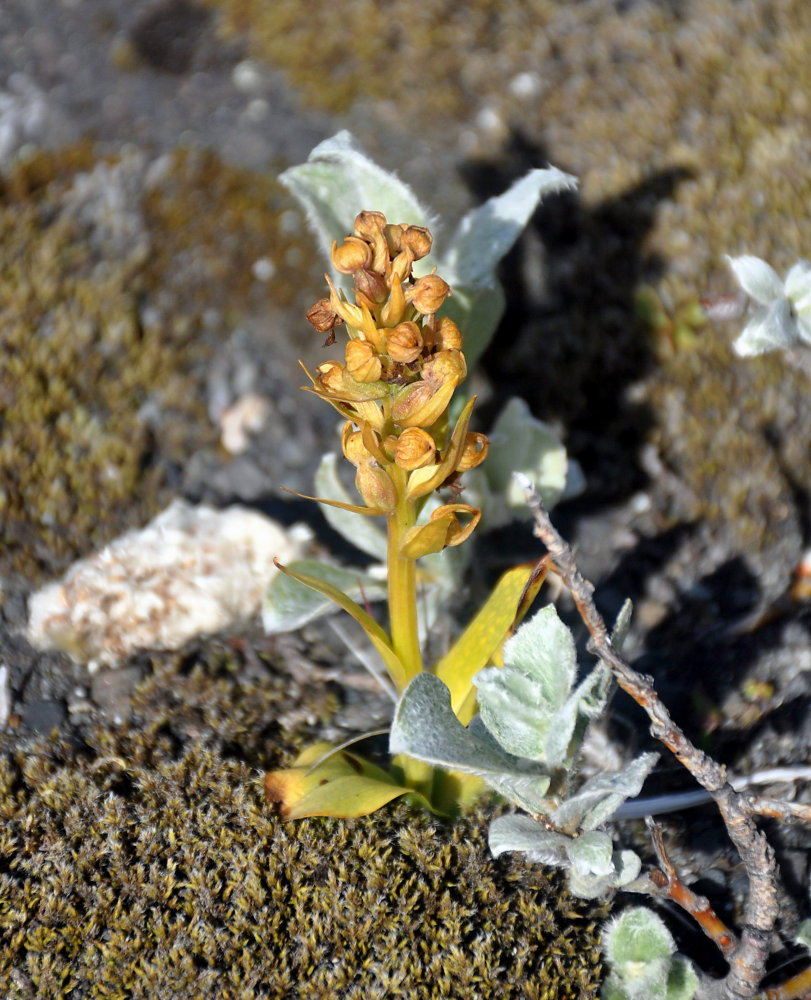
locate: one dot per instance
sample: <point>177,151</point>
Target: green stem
<point>405,634</point>
<point>402,590</point>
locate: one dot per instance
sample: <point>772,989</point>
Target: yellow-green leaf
<point>377,636</point>
<point>483,637</point>
<point>343,785</point>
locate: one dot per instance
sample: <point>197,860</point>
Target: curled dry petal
<point>474,451</point>
<point>322,316</point>
<point>415,448</point>
<point>443,529</point>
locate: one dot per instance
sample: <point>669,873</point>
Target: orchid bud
<point>415,449</point>
<point>375,486</point>
<point>404,343</point>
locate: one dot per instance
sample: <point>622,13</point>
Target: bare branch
<point>747,962</point>
<point>668,882</point>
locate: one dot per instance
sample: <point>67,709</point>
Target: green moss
<point>97,333</point>
<point>146,864</point>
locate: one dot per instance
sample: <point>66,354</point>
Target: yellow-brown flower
<point>375,486</point>
<point>351,255</point>
<point>415,449</point>
<point>362,362</point>
<point>422,403</point>
<point>428,293</point>
<point>404,343</point>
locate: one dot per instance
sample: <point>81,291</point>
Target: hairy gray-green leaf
<point>489,232</point>
<point>515,832</point>
<point>521,443</point>
<point>682,982</point>
<point>637,935</point>
<point>591,853</point>
<point>289,604</point>
<point>339,180</point>
<point>622,624</point>
<point>477,311</point>
<point>600,797</point>
<point>362,531</point>
<point>519,701</point>
<point>426,728</point>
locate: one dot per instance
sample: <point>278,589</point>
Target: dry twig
<point>747,961</point>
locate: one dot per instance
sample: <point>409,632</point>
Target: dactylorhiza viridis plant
<point>402,364</point>
<point>337,181</point>
<point>407,434</point>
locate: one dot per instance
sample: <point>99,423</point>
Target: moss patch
<point>146,864</point>
<point>110,274</point>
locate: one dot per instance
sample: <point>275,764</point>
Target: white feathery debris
<point>192,570</point>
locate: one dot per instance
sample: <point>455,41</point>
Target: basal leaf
<point>344,785</point>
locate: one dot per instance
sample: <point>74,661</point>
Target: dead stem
<point>747,961</point>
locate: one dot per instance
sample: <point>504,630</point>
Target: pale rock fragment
<point>192,570</point>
